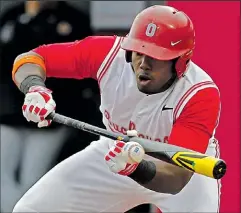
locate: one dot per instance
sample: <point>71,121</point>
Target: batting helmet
<point>163,33</point>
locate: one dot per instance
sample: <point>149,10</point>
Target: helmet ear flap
<point>182,63</point>
<point>128,56</point>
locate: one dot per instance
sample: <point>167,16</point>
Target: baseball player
<point>150,87</point>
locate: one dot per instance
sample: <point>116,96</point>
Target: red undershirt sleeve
<point>79,59</point>
<point>197,121</point>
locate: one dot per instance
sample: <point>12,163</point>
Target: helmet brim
<point>151,50</point>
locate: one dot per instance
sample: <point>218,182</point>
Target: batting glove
<point>123,158</point>
<point>38,104</point>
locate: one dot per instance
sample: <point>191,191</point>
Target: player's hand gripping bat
<point>185,158</point>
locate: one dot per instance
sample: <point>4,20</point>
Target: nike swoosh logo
<point>175,43</point>
<point>166,108</point>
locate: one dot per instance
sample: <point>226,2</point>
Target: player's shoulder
<point>196,75</point>
<point>102,43</point>
<point>102,40</point>
<point>114,58</point>
<point>195,85</point>
<point>194,80</point>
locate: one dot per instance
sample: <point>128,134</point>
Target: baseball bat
<point>185,158</point>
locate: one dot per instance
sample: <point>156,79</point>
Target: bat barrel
<point>201,164</point>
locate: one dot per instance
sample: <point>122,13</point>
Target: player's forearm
<point>169,178</point>
<point>24,68</point>
<point>163,177</point>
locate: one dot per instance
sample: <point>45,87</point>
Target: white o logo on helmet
<point>151,29</point>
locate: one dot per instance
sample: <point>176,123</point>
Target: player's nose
<point>145,63</point>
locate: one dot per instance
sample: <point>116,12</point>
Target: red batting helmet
<point>163,33</point>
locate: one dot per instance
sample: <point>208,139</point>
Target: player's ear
<point>128,56</point>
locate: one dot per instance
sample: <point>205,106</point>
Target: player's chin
<point>145,89</point>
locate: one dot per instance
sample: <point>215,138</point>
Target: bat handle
<point>87,127</point>
<point>51,116</point>
<point>201,164</point>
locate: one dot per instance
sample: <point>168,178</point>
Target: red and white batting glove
<point>38,104</point>
<point>123,158</point>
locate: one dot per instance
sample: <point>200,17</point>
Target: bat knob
<point>220,169</point>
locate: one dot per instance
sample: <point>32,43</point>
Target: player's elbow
<point>180,182</point>
<point>177,188</point>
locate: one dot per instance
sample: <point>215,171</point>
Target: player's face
<point>151,74</point>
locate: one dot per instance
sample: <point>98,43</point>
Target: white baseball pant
<point>83,183</point>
